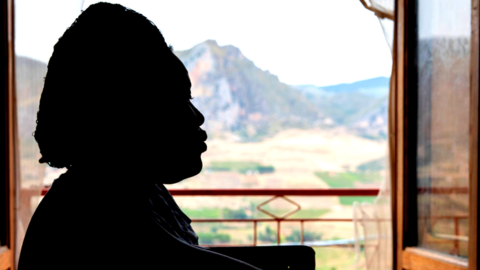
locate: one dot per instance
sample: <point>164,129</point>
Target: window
<point>436,139</point>
<point>443,65</point>
<point>292,132</point>
<point>7,184</point>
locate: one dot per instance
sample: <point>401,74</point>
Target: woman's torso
<point>77,228</point>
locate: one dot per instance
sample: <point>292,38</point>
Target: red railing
<point>282,193</point>
<point>298,192</point>
<point>276,193</point>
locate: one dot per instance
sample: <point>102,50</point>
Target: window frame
<point>404,201</point>
<point>7,189</point>
<point>407,256</point>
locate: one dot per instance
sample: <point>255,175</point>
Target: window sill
<point>417,258</point>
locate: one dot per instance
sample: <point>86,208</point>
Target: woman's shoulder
<point>50,227</point>
<point>56,207</point>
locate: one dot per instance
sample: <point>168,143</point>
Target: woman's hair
<point>106,77</point>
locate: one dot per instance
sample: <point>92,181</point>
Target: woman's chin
<point>182,172</point>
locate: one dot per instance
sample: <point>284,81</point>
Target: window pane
<point>443,57</point>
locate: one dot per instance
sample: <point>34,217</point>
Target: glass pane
<point>443,125</point>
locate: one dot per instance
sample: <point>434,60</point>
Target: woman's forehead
<point>180,76</point>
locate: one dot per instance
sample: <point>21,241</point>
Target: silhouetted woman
<point>116,112</point>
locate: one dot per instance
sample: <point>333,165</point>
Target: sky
<point>444,18</point>
<point>318,42</point>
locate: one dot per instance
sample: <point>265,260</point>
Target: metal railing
<point>283,193</point>
<point>276,193</point>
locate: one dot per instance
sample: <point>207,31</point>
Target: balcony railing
<point>283,193</point>
<point>276,193</point>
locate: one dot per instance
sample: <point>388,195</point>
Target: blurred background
<point>295,96</point>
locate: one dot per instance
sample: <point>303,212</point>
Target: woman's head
<point>115,91</point>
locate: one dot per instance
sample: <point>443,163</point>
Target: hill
<point>376,86</point>
<point>29,85</point>
<point>238,97</point>
<point>242,100</point>
<point>361,106</point>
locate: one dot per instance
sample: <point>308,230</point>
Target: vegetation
<point>203,212</point>
<point>218,213</point>
<point>373,166</point>
<point>347,103</point>
<point>212,238</point>
<point>234,214</point>
<point>310,213</point>
<point>242,167</point>
<point>349,200</point>
<point>242,213</point>
<point>264,105</point>
<point>260,96</point>
<point>269,235</point>
<point>307,236</point>
<point>213,233</point>
<point>347,180</point>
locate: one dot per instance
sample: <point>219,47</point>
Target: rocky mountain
<point>375,87</point>
<point>237,97</point>
<point>361,106</point>
<point>241,100</point>
<point>373,123</point>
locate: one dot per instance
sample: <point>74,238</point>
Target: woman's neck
<point>120,188</point>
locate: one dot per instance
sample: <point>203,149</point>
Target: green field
<point>347,180</point>
<point>373,165</point>
<point>242,233</point>
<point>203,213</point>
<point>242,213</point>
<point>239,166</point>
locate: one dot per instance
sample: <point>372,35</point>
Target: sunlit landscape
<point>345,126</point>
<point>269,127</point>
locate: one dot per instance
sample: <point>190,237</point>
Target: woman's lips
<point>203,147</point>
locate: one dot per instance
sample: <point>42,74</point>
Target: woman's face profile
<point>184,140</point>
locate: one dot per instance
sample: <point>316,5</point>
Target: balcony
<point>276,193</point>
<point>319,245</point>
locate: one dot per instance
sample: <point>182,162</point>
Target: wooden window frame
<point>406,255</point>
<point>7,189</point>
